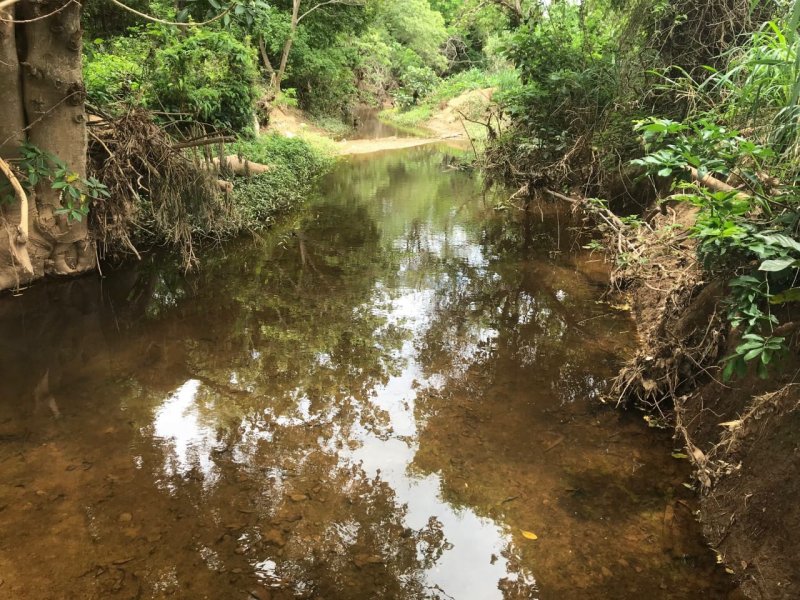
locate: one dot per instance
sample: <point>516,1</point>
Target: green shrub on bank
<point>113,70</point>
<point>209,74</point>
<point>295,167</point>
<point>306,161</point>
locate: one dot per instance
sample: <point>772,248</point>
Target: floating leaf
<point>529,535</point>
<point>679,455</point>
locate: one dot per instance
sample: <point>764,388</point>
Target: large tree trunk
<point>12,122</point>
<point>15,263</point>
<point>51,91</point>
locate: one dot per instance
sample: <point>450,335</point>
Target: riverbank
<point>441,126</point>
<point>741,436</point>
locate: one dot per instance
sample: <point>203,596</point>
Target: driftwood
<point>715,185</point>
<point>204,141</point>
<point>611,220</point>
<point>237,166</point>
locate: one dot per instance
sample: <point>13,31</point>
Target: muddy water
<point>385,398</point>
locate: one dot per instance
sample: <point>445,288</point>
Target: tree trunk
<point>287,47</point>
<point>15,262</point>
<point>13,121</point>
<point>50,89</point>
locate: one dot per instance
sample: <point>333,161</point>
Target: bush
<point>296,165</point>
<point>208,74</point>
<point>305,161</point>
<point>113,71</point>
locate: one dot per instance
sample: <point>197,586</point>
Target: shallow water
<point>369,127</point>
<point>374,401</point>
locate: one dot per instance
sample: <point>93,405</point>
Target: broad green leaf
<point>778,264</point>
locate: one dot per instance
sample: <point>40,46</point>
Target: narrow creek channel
<point>386,397</point>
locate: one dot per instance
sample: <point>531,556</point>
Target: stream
<point>395,394</point>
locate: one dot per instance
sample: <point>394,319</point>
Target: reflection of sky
<point>472,564</point>
<point>187,443</point>
<point>451,244</point>
<point>465,570</point>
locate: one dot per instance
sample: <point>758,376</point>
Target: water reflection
<point>374,401</point>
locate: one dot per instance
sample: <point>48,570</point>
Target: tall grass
<point>760,88</point>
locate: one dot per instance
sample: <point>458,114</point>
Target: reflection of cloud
<point>187,443</point>
<point>473,564</point>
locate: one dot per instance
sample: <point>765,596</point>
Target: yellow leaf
<point>529,535</point>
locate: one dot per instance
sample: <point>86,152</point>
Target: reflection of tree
<point>216,430</point>
<point>246,385</point>
<point>515,351</point>
<point>514,306</point>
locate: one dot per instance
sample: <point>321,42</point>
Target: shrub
<point>208,74</point>
<point>296,165</point>
<point>113,70</point>
<point>306,162</point>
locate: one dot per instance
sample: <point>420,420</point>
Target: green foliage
<point>208,74</point>
<point>569,87</point>
<point>295,166</point>
<point>414,26</point>
<point>76,193</point>
<point>203,74</point>
<point>305,162</point>
<point>113,70</point>
<point>734,229</point>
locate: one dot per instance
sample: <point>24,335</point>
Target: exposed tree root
<point>158,190</point>
<point>19,239</point>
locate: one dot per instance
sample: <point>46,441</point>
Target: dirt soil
<point>449,122</point>
<point>743,437</point>
<point>446,125</point>
<point>291,123</point>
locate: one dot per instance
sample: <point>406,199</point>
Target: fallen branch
<point>715,185</point>
<point>605,215</point>
<point>19,241</point>
<point>237,166</point>
<point>204,141</point>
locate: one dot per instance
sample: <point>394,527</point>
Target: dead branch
<point>605,215</point>
<point>237,166</point>
<point>715,185</point>
<point>204,141</point>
